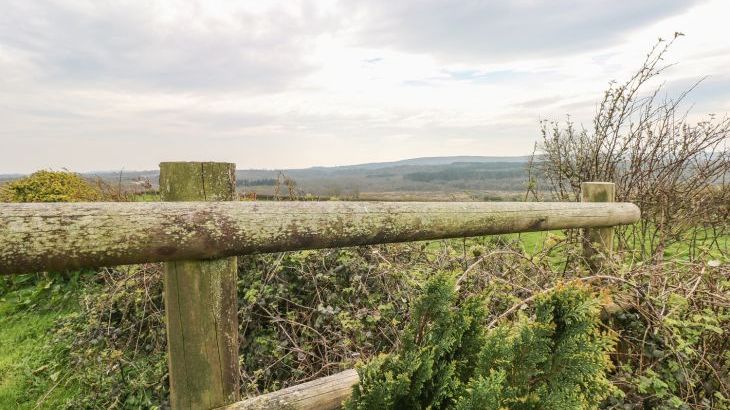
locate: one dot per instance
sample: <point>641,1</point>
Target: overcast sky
<point>109,85</point>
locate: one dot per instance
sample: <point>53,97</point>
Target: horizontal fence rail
<point>37,237</point>
<point>326,393</point>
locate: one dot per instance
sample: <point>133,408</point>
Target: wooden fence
<point>198,234</point>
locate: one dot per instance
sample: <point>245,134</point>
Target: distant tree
<point>256,182</point>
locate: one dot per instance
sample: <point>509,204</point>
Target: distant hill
<point>462,177</point>
<point>9,177</point>
<point>457,177</point>
<point>431,161</point>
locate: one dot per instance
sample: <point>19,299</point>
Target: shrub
<point>305,315</point>
<point>308,314</point>
<point>556,359</point>
<point>674,170</point>
<point>50,186</point>
<point>114,346</point>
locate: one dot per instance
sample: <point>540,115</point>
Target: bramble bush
<point>115,346</point>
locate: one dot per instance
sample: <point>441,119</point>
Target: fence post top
<point>164,163</point>
<point>197,181</point>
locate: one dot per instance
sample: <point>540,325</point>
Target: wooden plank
<point>36,237</point>
<point>598,241</point>
<point>201,300</point>
<point>326,393</point>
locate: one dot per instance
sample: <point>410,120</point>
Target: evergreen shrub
<point>556,357</point>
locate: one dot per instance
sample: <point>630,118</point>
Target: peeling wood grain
<point>42,236</point>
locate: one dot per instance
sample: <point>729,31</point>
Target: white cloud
<point>100,85</point>
<point>493,31</point>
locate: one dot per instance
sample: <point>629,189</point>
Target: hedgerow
<point>305,315</point>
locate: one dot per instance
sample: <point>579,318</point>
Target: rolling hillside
<point>431,178</point>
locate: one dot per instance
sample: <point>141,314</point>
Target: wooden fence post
<point>201,299</point>
<point>597,242</point>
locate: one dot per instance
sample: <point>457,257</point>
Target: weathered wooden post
<point>201,299</point>
<point>597,242</point>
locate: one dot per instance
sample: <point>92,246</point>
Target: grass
<point>145,197</point>
<point>25,379</point>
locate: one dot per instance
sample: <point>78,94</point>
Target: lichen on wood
<point>200,297</point>
<point>597,241</point>
<point>37,237</point>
